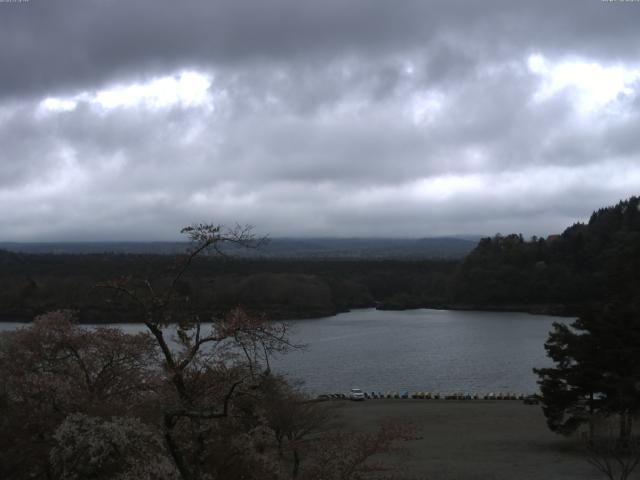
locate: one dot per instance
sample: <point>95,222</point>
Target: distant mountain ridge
<point>286,247</point>
<point>593,263</point>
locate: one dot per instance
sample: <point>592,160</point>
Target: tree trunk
<point>279,447</point>
<point>625,429</point>
<point>591,420</point>
<point>296,463</point>
<point>174,450</point>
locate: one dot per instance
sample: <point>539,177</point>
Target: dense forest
<point>321,248</point>
<point>31,284</point>
<point>586,263</point>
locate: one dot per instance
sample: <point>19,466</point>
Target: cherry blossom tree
<point>192,398</point>
<point>54,368</point>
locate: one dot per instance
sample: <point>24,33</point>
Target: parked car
<point>356,394</point>
<point>531,400</point>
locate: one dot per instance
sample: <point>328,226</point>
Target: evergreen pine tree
<point>597,369</point>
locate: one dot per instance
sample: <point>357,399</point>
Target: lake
<point>420,350</point>
<point>416,350</point>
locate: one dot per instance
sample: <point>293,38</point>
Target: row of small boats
<point>403,394</point>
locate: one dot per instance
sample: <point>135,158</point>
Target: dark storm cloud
<point>316,118</point>
<point>70,43</point>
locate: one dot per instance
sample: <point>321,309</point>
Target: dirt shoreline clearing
<point>475,440</point>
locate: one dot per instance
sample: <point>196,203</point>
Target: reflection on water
<point>416,350</point>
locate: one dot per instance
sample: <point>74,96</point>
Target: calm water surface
<point>416,350</point>
<point>420,350</point>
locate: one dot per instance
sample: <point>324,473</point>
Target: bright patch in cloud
<point>185,89</point>
<point>52,104</point>
<point>424,106</point>
<point>595,86</point>
<point>446,186</point>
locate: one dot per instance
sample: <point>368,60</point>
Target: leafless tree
<point>616,460</point>
<point>293,418</point>
<point>343,455</point>
<point>211,361</point>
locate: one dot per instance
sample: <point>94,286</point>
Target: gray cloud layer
<point>320,118</point>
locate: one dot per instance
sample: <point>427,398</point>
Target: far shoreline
<point>541,310</point>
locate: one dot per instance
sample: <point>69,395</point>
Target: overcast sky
<point>125,120</point>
